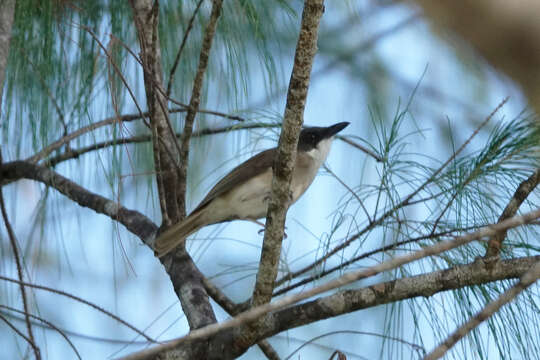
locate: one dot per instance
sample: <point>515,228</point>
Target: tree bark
<point>186,279</point>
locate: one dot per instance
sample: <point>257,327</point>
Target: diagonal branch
<point>348,278</point>
<point>285,159</point>
<point>134,221</point>
<point>524,282</point>
<point>521,193</point>
<point>424,285</point>
<point>48,324</point>
<point>182,45</point>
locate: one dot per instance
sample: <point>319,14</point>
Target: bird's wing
<point>258,164</point>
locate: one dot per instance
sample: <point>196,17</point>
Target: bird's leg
<point>262,225</point>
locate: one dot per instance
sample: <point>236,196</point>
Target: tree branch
<point>347,301</point>
<point>521,193</point>
<point>134,221</point>
<point>524,282</point>
<point>425,285</point>
<point>182,44</point>
<point>286,151</point>
<point>75,153</point>
<point>234,309</point>
<point>263,310</point>
<point>18,263</point>
<point>405,202</point>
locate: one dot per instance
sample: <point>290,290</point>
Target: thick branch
<point>253,314</point>
<point>185,277</point>
<point>165,148</point>
<point>286,152</point>
<point>347,301</point>
<point>424,285</point>
<point>234,309</point>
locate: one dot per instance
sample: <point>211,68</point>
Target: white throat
<point>320,152</point>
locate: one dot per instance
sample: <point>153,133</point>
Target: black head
<point>311,136</point>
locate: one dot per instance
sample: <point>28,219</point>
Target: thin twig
<point>17,256</point>
<point>348,278</point>
<point>49,324</point>
<point>182,44</point>
<point>17,331</point>
<point>524,282</point>
<point>209,33</point>
<point>351,191</point>
<point>75,153</point>
<point>345,139</point>
<point>119,73</point>
<point>342,265</point>
<point>185,106</point>
<point>79,132</point>
<point>81,300</point>
<point>401,204</point>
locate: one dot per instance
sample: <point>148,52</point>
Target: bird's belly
<point>249,201</point>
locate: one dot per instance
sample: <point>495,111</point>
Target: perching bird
<point>244,193</point>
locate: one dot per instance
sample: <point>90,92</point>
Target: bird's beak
<point>334,129</point>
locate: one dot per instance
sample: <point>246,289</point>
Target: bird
<point>244,193</point>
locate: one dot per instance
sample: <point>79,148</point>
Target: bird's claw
<point>262,231</point>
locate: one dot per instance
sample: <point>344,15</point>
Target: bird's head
<point>316,140</point>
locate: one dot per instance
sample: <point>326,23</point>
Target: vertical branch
<point>286,153</point>
<point>195,101</point>
<point>17,256</point>
<point>145,14</point>
<point>185,277</point>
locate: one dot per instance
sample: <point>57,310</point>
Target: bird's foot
<point>260,232</point>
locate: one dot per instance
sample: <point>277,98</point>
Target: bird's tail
<point>177,234</point>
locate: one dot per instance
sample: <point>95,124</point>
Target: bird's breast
<point>250,200</point>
